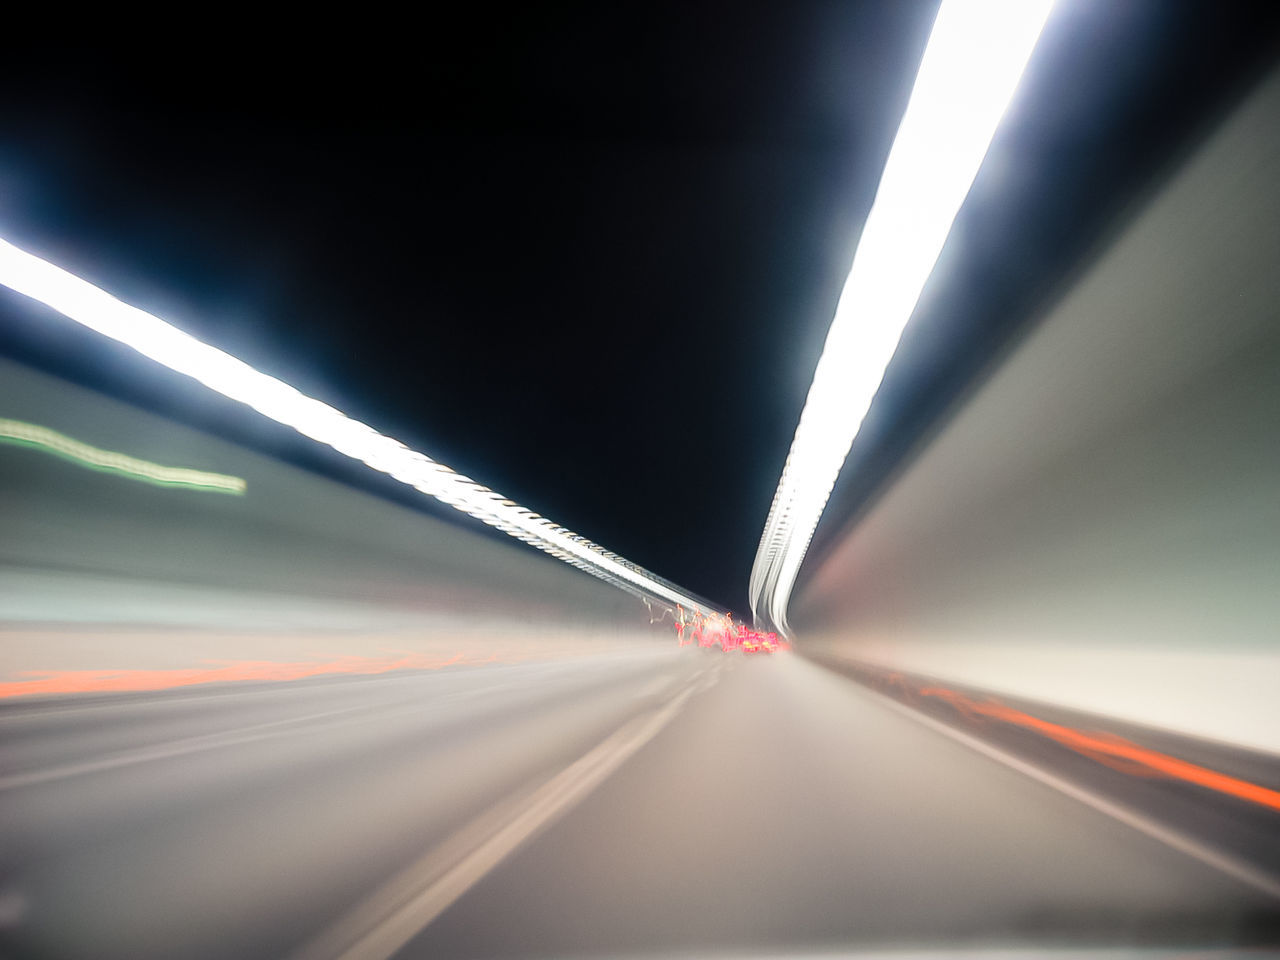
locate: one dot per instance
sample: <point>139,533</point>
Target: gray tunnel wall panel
<point>1098,524</point>
<point>99,571</point>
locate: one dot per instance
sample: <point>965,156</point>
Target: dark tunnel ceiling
<point>586,256</point>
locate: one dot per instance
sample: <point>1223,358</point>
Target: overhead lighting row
<point>164,343</point>
<point>975,57</point>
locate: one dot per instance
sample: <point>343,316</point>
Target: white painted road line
<point>1232,867</point>
<point>174,748</point>
<point>394,914</point>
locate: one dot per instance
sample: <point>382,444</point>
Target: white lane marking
<point>709,679</point>
<point>656,686</point>
<point>395,913</point>
<point>170,749</point>
<point>1224,863</point>
<point>288,726</point>
<point>704,677</point>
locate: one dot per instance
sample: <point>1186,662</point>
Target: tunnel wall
<point>1098,523</point>
<point>104,572</point>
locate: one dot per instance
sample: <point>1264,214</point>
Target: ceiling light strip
<point>93,307</point>
<point>970,69</point>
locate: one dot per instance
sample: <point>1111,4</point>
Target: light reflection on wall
<point>121,586</point>
<point>36,437</point>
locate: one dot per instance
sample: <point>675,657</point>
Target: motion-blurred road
<point>657,801</point>
<point>258,702</point>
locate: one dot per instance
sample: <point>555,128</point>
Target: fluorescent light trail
<point>93,307</point>
<point>108,461</point>
<point>971,66</point>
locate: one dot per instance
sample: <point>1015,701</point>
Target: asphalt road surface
<point>656,803</point>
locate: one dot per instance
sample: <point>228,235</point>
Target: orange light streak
<point>1106,748</point>
<point>49,682</point>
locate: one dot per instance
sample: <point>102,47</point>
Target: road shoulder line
<point>1232,867</point>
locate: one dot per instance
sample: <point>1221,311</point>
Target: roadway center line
<point>395,913</point>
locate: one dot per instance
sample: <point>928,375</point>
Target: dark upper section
<point>587,256</point>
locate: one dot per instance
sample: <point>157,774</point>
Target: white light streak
<point>93,307</point>
<point>971,66</point>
